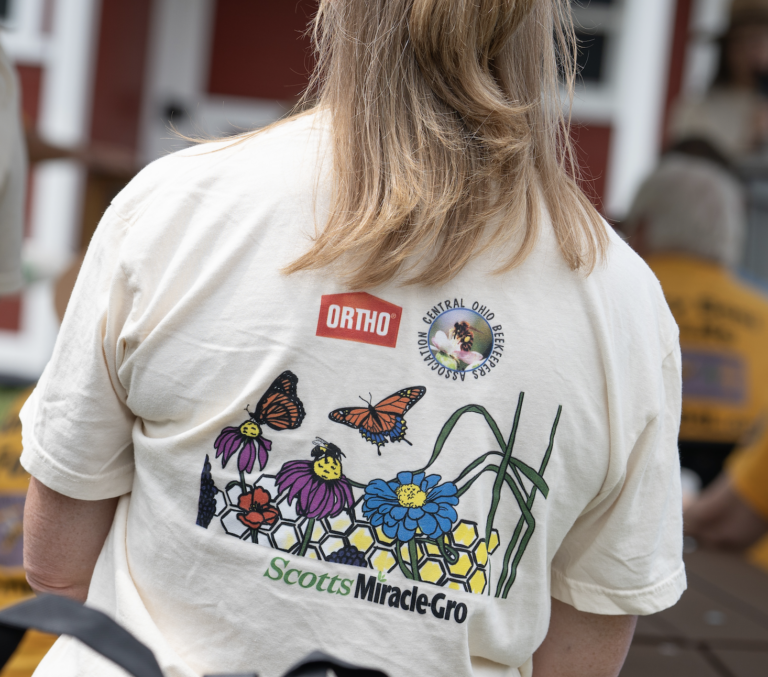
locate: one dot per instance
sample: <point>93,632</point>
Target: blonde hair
<point>446,114</point>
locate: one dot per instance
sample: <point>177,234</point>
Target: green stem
<point>502,472</point>
<point>526,516</point>
<point>413,554</point>
<point>451,423</point>
<point>449,554</point>
<point>529,506</point>
<point>465,488</point>
<point>357,485</point>
<point>520,480</point>
<point>400,561</point>
<point>242,482</point>
<point>310,527</point>
<point>474,465</point>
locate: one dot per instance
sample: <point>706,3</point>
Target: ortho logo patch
<point>359,317</point>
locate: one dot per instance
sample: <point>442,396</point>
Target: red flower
<point>258,512</point>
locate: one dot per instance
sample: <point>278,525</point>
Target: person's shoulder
<point>631,290</point>
<point>223,164</point>
<point>623,266</point>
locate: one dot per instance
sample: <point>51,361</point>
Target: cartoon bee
<point>327,459</point>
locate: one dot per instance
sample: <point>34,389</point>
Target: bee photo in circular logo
<point>461,339</point>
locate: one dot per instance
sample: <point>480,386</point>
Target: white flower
<point>452,353</point>
<point>443,344</point>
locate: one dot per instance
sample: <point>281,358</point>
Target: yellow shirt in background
<point>14,481</point>
<point>724,340</point>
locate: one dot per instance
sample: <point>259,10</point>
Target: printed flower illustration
<point>246,439</point>
<point>319,485</point>
<point>350,555</point>
<point>257,511</point>
<point>411,502</point>
<point>206,505</point>
<point>450,350</point>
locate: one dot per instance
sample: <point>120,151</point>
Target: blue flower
<point>411,502</point>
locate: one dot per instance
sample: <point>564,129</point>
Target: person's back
<point>403,477</point>
<point>723,333</point>
<point>688,221</point>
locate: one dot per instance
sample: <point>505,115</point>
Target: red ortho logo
<point>359,317</point>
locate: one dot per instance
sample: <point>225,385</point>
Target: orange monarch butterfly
<point>384,420</point>
<point>280,408</point>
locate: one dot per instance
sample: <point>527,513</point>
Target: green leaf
<point>531,474</point>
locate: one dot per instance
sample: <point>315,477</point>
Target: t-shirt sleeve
<point>76,427</point>
<point>623,555</point>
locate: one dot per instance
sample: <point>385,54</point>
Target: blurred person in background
<point>688,222</point>
<point>13,178</point>
<point>733,115</point>
<point>404,533</point>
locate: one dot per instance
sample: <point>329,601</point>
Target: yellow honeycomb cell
<point>312,554</point>
<point>465,533</point>
<point>362,538</point>
<point>462,567</point>
<point>381,537</point>
<point>285,537</point>
<point>340,524</point>
<point>383,560</point>
<point>481,554</point>
<point>455,585</point>
<point>478,582</point>
<point>331,545</point>
<point>432,571</point>
<point>318,532</point>
<point>493,543</point>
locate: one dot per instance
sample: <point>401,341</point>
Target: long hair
<point>446,116</point>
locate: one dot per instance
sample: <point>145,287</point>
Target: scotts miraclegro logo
<point>359,317</point>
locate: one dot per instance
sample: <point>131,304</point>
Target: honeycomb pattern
<point>433,571</point>
<point>466,540</point>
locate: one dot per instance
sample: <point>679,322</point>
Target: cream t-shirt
<point>13,179</point>
<point>401,477</point>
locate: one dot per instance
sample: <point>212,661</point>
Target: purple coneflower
<point>246,438</point>
<point>321,489</point>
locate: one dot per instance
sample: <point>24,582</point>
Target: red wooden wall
<point>260,48</point>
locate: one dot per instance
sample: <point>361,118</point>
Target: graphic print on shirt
<point>413,523</point>
<point>383,422</point>
<point>461,339</point>
<point>359,317</point>
<point>280,408</point>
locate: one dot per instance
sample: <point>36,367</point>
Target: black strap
<point>61,616</point>
<point>318,663</point>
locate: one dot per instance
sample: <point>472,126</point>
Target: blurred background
<point>113,76</point>
<point>670,123</point>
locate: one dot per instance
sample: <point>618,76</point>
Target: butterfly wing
<point>285,383</point>
<point>280,407</point>
<point>383,421</point>
<point>354,417</point>
<point>399,403</point>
